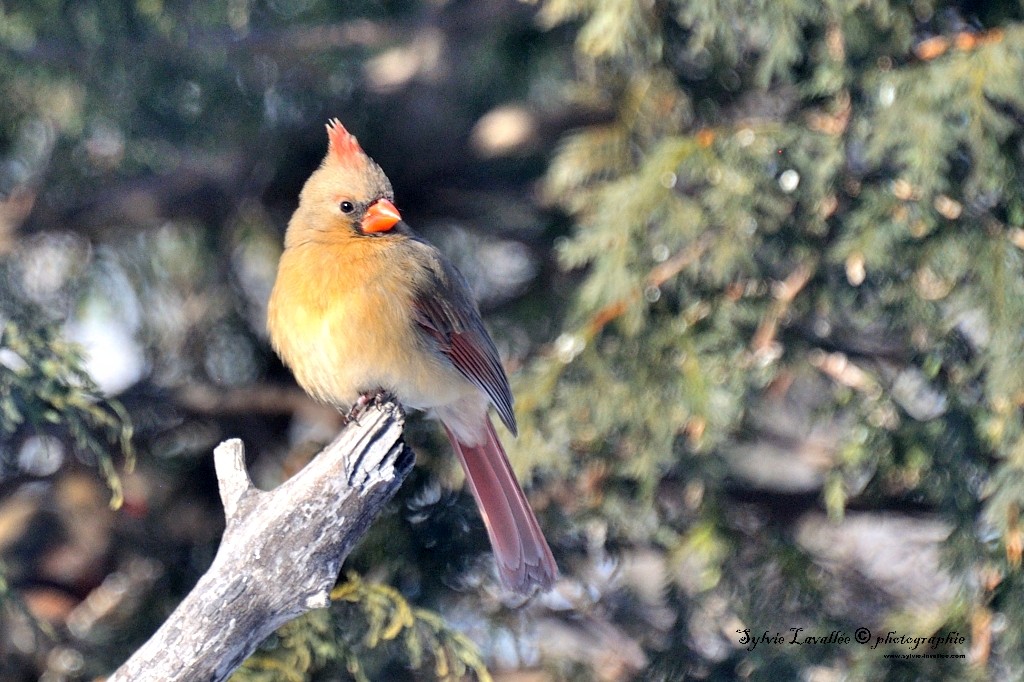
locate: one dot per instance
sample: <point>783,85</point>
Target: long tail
<point>522,554</point>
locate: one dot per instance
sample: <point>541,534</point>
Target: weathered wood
<point>281,550</point>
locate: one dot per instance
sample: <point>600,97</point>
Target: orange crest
<point>342,145</point>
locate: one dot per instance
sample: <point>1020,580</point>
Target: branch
<point>785,293</point>
<point>658,275</point>
<point>281,550</point>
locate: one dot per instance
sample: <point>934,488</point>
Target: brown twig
<point>785,292</point>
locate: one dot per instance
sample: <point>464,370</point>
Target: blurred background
<point>755,270</point>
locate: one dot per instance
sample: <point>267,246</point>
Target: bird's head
<point>349,193</point>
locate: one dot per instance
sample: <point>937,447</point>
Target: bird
<point>363,307</point>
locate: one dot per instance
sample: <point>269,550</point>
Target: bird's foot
<point>358,408</point>
<point>381,396</point>
<point>376,398</point>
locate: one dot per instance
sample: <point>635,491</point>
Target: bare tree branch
<point>281,550</point>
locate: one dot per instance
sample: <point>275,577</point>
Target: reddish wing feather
<point>461,336</point>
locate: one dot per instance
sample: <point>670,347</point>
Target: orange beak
<point>381,216</point>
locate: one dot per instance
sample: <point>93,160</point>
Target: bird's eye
<point>347,207</point>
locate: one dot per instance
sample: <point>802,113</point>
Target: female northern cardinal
<point>362,305</point>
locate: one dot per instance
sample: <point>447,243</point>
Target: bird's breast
<point>343,323</point>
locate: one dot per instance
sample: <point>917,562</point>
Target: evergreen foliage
<point>44,387</point>
<point>373,631</point>
<point>789,192</point>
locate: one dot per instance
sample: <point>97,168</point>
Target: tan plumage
<point>361,305</point>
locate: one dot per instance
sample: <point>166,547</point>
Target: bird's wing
<point>446,312</point>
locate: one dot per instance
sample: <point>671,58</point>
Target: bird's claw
<point>376,398</point>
